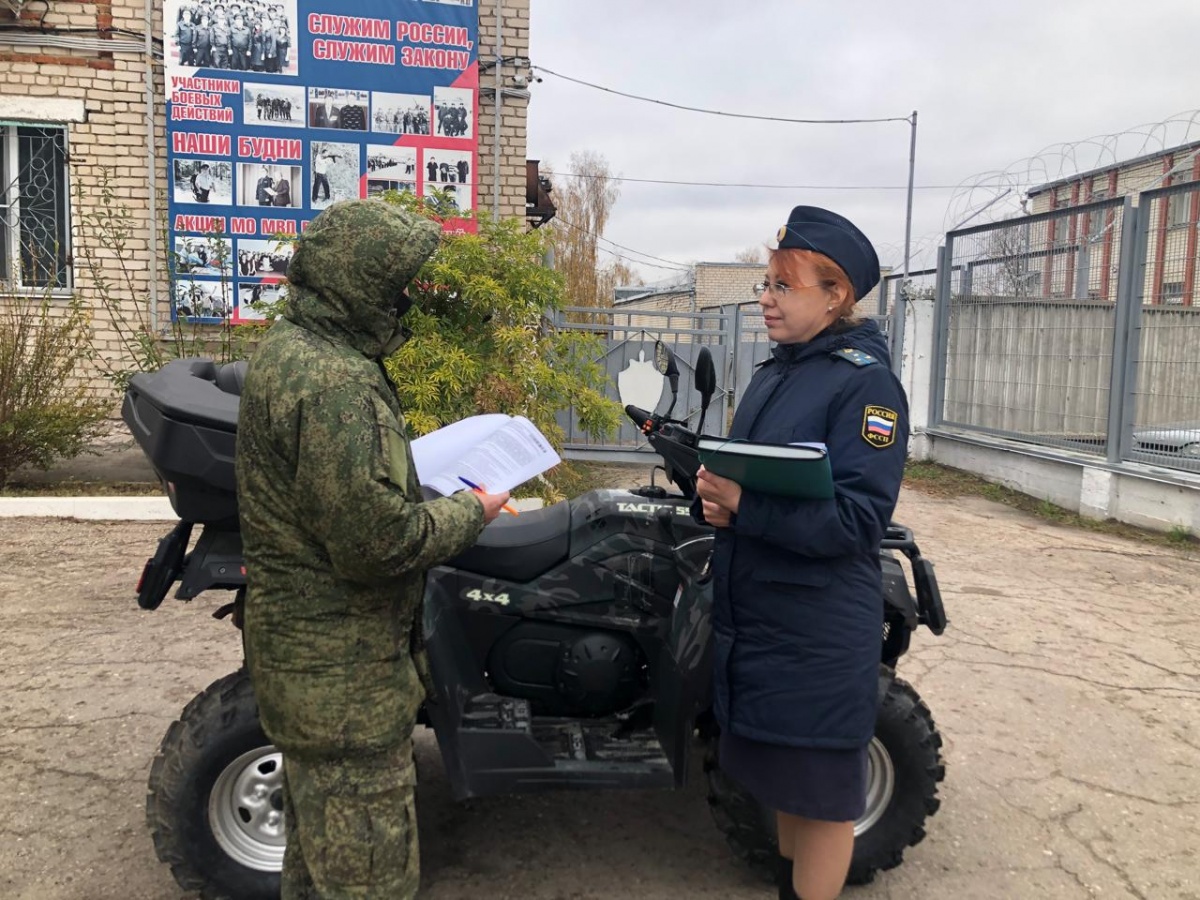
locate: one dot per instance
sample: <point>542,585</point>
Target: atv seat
<point>520,548</point>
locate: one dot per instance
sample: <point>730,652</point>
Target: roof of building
<point>626,295</point>
<point>1123,164</point>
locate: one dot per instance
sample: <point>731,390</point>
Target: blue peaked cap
<point>827,233</point>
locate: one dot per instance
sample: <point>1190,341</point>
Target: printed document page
<point>498,454</point>
<point>435,451</point>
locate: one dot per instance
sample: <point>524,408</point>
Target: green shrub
<point>482,341</point>
<point>47,411</point>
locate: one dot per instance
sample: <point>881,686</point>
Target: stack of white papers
<point>495,452</point>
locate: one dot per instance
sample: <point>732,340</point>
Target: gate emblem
<point>640,384</point>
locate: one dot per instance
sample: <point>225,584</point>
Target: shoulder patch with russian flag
<point>879,426</point>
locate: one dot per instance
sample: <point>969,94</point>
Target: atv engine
<point>567,671</point>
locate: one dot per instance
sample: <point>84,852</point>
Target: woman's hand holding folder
<point>721,498</point>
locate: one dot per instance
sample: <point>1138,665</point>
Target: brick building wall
<point>675,301</point>
<point>719,284</point>
<point>514,42</point>
<point>1173,262</point>
<point>100,97</point>
<point>94,84</point>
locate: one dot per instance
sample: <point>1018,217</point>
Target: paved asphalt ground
<point>1067,690</point>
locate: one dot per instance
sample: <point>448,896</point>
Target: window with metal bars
<point>1097,219</point>
<point>1179,210</point>
<point>35,204</point>
<point>1179,206</point>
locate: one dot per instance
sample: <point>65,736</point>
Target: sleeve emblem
<point>879,426</point>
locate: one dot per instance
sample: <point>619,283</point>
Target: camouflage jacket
<point>337,539</point>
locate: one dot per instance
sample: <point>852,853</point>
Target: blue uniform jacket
<point>797,587</point>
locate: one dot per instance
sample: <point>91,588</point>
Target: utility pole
<point>901,307</point>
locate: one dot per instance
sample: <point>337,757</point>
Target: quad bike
<point>570,649</point>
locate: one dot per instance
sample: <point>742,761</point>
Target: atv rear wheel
<point>905,766</point>
<point>214,806</point>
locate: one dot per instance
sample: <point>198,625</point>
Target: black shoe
<point>786,891</point>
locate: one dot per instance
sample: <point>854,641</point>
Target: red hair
<point>831,275</point>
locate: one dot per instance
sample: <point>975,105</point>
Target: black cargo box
<point>184,416</point>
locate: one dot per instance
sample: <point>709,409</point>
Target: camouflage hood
<point>350,267</point>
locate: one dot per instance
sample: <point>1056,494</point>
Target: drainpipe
<point>496,127</point>
<point>152,157</point>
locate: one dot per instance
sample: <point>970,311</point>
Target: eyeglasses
<point>778,290</point>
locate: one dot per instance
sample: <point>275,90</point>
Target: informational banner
<point>275,110</point>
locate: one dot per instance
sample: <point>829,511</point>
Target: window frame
<point>1178,213</point>
<point>1096,221</point>
<point>1179,209</point>
<point>1171,293</point>
<point>12,274</point>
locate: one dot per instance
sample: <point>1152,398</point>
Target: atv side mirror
<point>705,380</point>
<point>664,361</point>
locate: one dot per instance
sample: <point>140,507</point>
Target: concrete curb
<point>110,508</point>
<point>117,509</point>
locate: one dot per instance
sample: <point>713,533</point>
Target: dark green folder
<point>784,470</point>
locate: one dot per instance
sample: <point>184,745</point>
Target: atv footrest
<point>569,740</point>
<point>496,747</point>
<point>491,711</point>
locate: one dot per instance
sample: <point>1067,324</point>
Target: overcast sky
<point>994,83</point>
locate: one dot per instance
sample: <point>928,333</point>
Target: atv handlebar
<point>640,417</point>
<point>674,443</point>
<point>898,537</point>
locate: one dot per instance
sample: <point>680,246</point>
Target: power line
<point>671,263</point>
<point>642,262</point>
<point>639,262</point>
<point>788,187</point>
<point>717,112</point>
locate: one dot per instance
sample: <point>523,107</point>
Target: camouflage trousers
<point>351,828</point>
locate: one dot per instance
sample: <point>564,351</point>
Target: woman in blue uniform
<point>797,584</point>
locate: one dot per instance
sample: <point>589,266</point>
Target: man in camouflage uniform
<point>337,542</point>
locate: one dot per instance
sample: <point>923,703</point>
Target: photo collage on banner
<point>278,110</point>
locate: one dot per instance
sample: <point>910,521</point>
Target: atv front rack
<point>930,610</point>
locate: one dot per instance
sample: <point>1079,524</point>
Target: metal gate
<point>734,334</point>
<point>628,336</point>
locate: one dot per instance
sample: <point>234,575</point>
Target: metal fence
<point>1076,329</point>
<point>734,335</point>
<point>920,283</point>
<point>628,337</point>
<point>1163,376</point>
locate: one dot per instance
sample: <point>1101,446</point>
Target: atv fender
<point>684,688</point>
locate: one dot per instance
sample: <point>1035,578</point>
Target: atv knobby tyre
<point>218,741</point>
<point>906,746</point>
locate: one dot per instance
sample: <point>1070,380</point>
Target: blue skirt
<point>828,785</point>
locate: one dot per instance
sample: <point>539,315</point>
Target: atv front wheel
<point>904,768</point>
<point>215,802</point>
